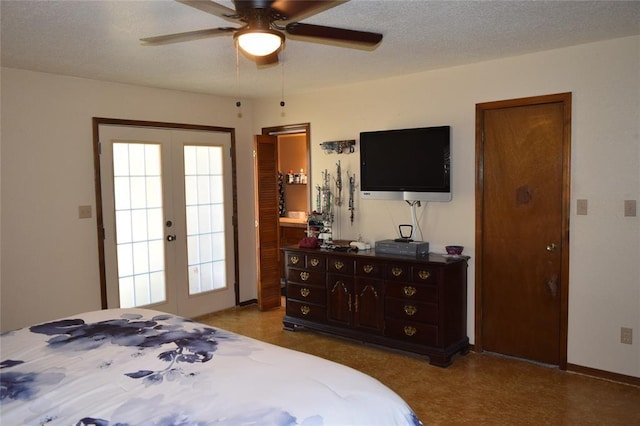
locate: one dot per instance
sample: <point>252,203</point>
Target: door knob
<point>552,247</point>
<point>171,237</point>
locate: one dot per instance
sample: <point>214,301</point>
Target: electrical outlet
<point>630,208</point>
<point>626,335</point>
<point>581,207</point>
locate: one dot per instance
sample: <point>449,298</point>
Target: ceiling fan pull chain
<point>238,102</point>
<point>282,103</point>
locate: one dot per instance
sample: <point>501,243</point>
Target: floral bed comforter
<point>144,367</point>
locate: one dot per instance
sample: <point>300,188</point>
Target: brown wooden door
<point>266,184</point>
<point>522,232</point>
<point>269,259</point>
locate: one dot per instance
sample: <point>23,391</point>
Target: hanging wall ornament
<point>352,190</point>
<point>338,180</point>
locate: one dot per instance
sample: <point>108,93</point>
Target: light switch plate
<point>630,208</point>
<point>84,212</point>
<point>581,207</point>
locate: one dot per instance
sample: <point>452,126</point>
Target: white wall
<point>604,78</point>
<point>49,256</point>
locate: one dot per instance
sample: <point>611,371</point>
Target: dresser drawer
<point>416,273</point>
<point>423,274</point>
<point>340,265</point>
<point>308,261</point>
<point>411,310</point>
<point>412,291</point>
<point>399,271</point>
<point>304,276</point>
<point>297,260</point>
<point>307,293</point>
<point>369,268</point>
<point>307,311</point>
<point>315,263</point>
<point>414,332</point>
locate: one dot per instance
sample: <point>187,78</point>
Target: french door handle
<point>171,237</point>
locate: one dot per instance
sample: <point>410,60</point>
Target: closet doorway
<point>283,167</point>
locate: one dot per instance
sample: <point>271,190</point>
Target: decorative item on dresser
<point>417,305</point>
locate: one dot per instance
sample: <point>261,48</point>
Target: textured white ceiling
<point>99,39</point>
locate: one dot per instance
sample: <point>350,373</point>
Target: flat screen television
<point>406,164</point>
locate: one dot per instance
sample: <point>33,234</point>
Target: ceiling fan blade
<point>266,60</point>
<point>331,33</point>
<point>213,8</point>
<point>186,36</point>
<point>289,10</point>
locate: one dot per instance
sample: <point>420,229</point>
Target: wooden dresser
<point>417,305</point>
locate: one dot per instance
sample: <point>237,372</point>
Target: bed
<point>144,367</point>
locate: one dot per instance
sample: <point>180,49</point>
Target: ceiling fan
<point>264,25</point>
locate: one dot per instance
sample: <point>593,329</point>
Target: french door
<point>167,214</point>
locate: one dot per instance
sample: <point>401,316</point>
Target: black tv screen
<point>406,164</point>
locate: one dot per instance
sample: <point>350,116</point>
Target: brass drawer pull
<point>409,330</point>
<point>367,269</point>
<point>304,292</point>
<point>409,290</point>
<point>424,274</point>
<point>295,260</point>
<point>315,262</point>
<point>338,264</point>
<point>410,310</point>
<point>304,275</point>
<point>305,309</point>
<point>396,271</point>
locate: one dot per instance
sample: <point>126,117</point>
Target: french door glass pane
<point>139,223</point>
<point>203,173</point>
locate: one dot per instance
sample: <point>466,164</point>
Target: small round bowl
<point>455,250</point>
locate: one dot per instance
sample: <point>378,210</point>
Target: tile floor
<point>477,389</point>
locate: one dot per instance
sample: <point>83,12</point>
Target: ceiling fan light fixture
<point>259,42</point>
